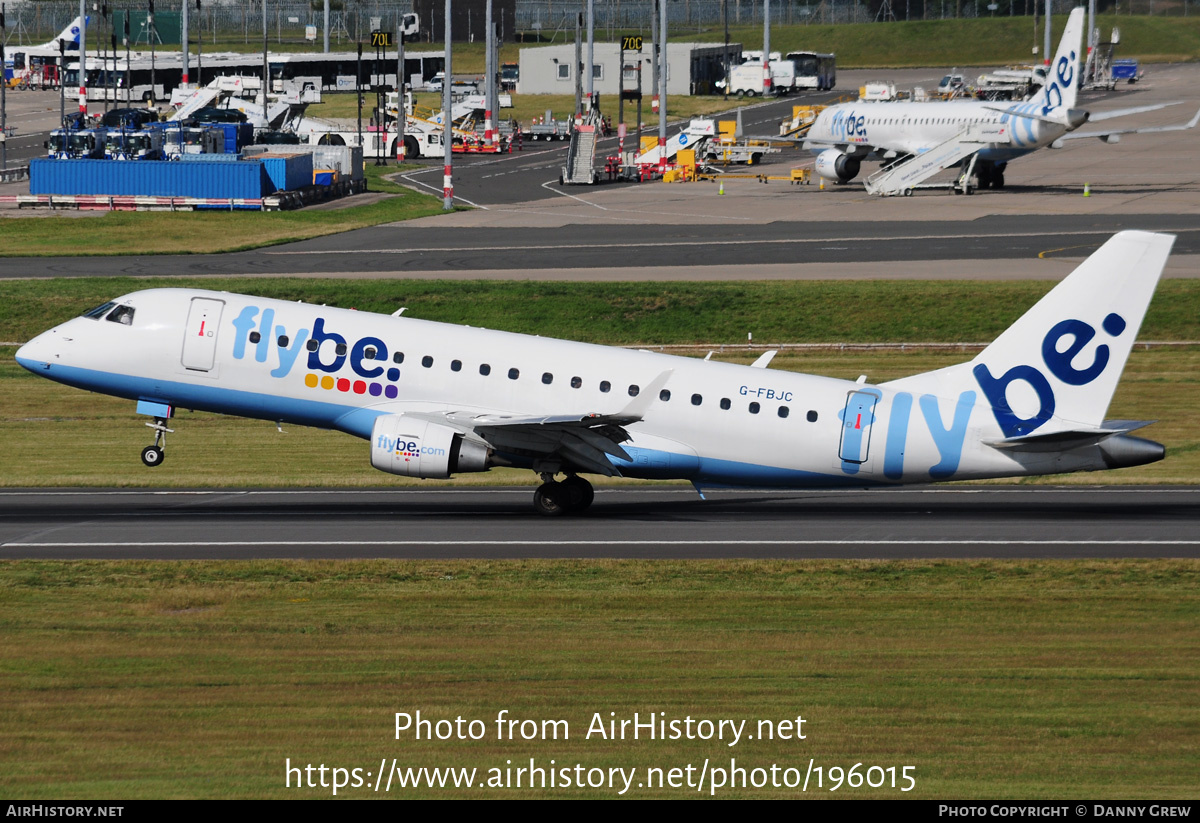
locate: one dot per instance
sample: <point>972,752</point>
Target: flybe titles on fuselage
<point>327,354</point>
<point>849,127</point>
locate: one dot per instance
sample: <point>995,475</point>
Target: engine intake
<point>834,165</point>
<point>413,447</point>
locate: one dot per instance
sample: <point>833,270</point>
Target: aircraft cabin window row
<point>485,369</point>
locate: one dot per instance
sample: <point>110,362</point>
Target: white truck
<point>747,79</point>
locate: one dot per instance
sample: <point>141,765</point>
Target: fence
<point>229,22</point>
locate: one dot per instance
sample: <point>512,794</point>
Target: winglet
<point>639,405</point>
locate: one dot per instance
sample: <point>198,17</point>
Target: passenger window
<point>99,311</point>
<point>340,350</point>
<point>754,408</point>
<point>455,365</point>
<point>725,404</point>
<point>634,390</point>
<point>547,378</point>
<point>313,345</point>
<point>784,411</point>
<point>664,395</point>
<point>368,352</point>
<point>397,357</point>
<point>812,416</point>
<point>254,336</point>
<point>283,344</point>
<point>697,400</point>
<point>513,374</point>
<point>122,315</point>
<point>605,385</point>
<point>485,369</point>
<point>576,382</point>
<point>427,361</point>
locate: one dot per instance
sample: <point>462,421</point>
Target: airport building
<point>692,68</point>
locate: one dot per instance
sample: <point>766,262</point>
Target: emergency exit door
<point>200,334</point>
<point>857,418</point>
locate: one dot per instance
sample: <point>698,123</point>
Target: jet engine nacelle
<point>413,447</point>
<point>834,165</point>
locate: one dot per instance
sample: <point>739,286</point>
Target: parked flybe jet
<point>434,399</point>
<point>68,36</point>
<point>985,135</point>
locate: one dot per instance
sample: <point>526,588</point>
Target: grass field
<point>963,42</point>
<point>993,679</point>
<point>636,312</point>
<point>1158,384</point>
<point>205,232</point>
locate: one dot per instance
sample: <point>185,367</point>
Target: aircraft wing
<point>1109,115</point>
<point>1144,130</point>
<point>849,148</point>
<point>575,441</point>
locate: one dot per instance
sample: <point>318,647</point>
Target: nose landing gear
<point>153,455</point>
<point>571,496</point>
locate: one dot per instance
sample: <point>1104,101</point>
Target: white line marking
<point>405,176</point>
<point>678,243</point>
<point>1086,490</point>
<point>597,542</point>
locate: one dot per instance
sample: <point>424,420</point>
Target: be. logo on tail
<point>1060,364</point>
<point>1064,76</point>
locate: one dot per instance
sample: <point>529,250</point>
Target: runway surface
<point>399,249</point>
<point>663,522</point>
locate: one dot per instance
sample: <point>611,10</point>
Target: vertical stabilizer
<point>1063,80</point>
<point>1056,368</point>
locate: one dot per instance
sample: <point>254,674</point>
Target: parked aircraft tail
<point>1050,376</point>
<point>1062,83</point>
<point>69,34</point>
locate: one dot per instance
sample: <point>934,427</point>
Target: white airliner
<point>69,36</point>
<point>435,399</point>
<point>847,133</point>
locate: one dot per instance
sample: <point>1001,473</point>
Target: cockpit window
<point>122,315</point>
<point>99,311</point>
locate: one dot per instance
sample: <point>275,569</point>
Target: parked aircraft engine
<point>834,165</point>
<point>402,444</point>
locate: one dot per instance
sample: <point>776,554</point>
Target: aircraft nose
<point>1077,117</point>
<point>34,354</point>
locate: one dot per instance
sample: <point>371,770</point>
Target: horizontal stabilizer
<point>1059,441</point>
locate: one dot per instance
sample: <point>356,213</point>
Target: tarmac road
<point>642,522</point>
<point>634,251</point>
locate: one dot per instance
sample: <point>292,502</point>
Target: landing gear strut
<point>571,496</point>
<point>154,455</point>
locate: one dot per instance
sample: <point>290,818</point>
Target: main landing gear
<point>571,496</point>
<point>153,455</point>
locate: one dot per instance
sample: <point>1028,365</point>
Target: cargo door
<point>200,334</point>
<point>857,418</point>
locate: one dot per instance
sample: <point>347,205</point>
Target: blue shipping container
<point>237,135</point>
<point>153,178</point>
<point>288,172</point>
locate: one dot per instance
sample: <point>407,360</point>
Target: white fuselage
<point>714,423</point>
<point>905,127</point>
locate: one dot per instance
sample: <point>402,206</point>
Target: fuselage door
<point>857,418</point>
<point>200,334</point>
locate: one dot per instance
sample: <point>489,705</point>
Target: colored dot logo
<point>342,384</point>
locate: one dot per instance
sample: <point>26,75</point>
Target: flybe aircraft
<point>69,37</point>
<point>434,399</point>
<point>847,133</point>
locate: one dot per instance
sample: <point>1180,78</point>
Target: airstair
<point>907,175</point>
<point>581,158</point>
<point>196,101</point>
<point>697,133</point>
